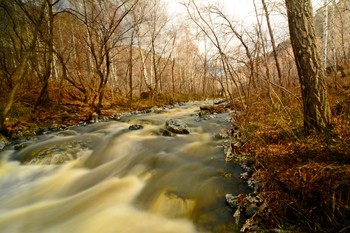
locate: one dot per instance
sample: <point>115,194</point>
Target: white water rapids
<point>106,178</point>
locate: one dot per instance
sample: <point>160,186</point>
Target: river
<point>104,177</point>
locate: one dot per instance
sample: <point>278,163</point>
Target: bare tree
<point>274,49</point>
<point>19,71</point>
<point>265,54</point>
<point>72,54</point>
<point>249,54</point>
<point>103,22</point>
<point>208,28</point>
<point>187,58</point>
<point>139,16</point>
<point>131,48</point>
<point>48,36</point>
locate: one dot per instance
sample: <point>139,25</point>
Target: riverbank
<point>23,122</point>
<point>26,125</point>
<point>301,181</point>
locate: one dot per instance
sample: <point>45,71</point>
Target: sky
<point>242,11</point>
<point>241,8</point>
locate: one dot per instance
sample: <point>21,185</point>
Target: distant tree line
<point>100,53</point>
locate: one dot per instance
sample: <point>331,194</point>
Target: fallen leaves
<point>303,179</point>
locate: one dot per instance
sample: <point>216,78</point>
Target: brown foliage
<point>304,179</point>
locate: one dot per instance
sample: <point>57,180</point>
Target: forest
<point>63,62</point>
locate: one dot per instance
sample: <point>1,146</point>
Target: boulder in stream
<point>158,110</point>
<point>3,142</point>
<point>210,110</point>
<point>2,145</point>
<point>177,127</point>
<point>135,127</point>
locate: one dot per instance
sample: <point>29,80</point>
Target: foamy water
<point>117,180</point>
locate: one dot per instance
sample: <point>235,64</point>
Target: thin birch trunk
<point>143,61</point>
<point>334,51</point>
<point>268,76</point>
<point>278,66</point>
<point>325,34</point>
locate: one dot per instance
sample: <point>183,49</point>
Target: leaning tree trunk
<point>317,114</point>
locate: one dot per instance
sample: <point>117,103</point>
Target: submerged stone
<point>172,204</point>
<point>22,145</point>
<point>158,110</point>
<point>166,133</point>
<point>218,136</point>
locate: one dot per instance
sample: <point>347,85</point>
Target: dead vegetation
<point>303,179</point>
<point>23,120</point>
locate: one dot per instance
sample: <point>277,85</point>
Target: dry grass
<point>67,111</point>
<point>304,179</point>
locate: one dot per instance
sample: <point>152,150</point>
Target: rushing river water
<point>103,178</point>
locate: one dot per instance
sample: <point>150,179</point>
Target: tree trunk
<point>343,31</point>
<point>173,77</point>
<point>325,34</point>
<point>43,97</point>
<point>104,76</point>
<point>265,55</point>
<point>317,114</point>
<point>131,66</point>
<point>143,62</point>
<point>278,66</point>
<point>334,50</point>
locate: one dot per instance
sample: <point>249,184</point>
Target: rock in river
<point>176,126</point>
<point>167,133</point>
<point>135,127</point>
<point>2,145</point>
<point>209,110</point>
<point>3,142</point>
